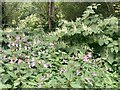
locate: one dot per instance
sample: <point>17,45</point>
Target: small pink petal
<point>62,70</point>
<point>85,58</point>
<point>89,55</point>
<point>23,39</point>
<point>19,61</point>
<point>94,74</point>
<point>45,65</point>
<point>13,44</point>
<point>11,61</point>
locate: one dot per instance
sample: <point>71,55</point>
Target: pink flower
<point>42,78</point>
<point>19,61</point>
<point>28,47</point>
<point>89,55</point>
<point>17,38</point>
<point>28,61</point>
<point>11,61</point>
<point>28,43</point>
<point>62,70</point>
<point>23,39</point>
<point>65,61</point>
<point>45,65</point>
<point>13,44</point>
<point>94,74</point>
<point>85,58</point>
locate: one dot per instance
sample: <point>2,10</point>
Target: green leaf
<point>62,80</point>
<point>68,74</point>
<point>75,85</point>
<point>5,78</point>
<point>4,86</point>
<point>12,74</point>
<point>85,15</point>
<point>1,70</point>
<point>77,64</point>
<point>8,52</point>
<point>9,66</point>
<point>101,42</point>
<point>110,45</point>
<point>19,51</point>
<point>95,7</point>
<point>78,31</point>
<point>90,7</point>
<point>106,42</point>
<point>107,65</point>
<point>108,79</point>
<point>115,42</point>
<point>17,82</point>
<point>53,38</point>
<point>32,83</point>
<point>38,77</point>
<point>112,49</point>
<point>111,57</point>
<point>116,49</point>
<point>1,39</point>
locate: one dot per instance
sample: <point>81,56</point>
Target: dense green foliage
<point>71,11</point>
<point>84,53</point>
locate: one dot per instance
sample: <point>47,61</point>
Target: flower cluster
<point>17,43</point>
<point>62,70</point>
<point>45,65</point>
<point>87,57</point>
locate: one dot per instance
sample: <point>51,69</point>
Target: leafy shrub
<point>30,21</point>
<point>99,35</point>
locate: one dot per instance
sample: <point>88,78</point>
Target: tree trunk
<point>51,13</point>
<point>0,14</point>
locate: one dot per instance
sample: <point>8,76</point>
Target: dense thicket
<point>82,50</point>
